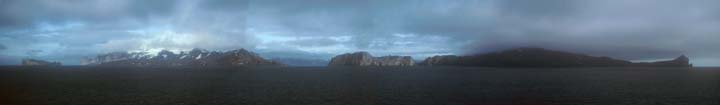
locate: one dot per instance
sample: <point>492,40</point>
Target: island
<point>540,57</point>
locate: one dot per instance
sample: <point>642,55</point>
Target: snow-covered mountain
<point>194,57</point>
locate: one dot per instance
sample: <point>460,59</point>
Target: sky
<point>637,30</point>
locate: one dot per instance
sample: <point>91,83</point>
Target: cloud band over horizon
<point>67,30</point>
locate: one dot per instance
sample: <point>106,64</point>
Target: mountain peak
<point>682,58</point>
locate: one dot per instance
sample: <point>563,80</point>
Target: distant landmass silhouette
<point>35,62</point>
<point>539,57</point>
<point>518,57</point>
<point>302,61</point>
<point>365,59</point>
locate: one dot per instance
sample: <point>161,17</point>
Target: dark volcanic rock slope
<point>538,57</point>
<point>195,57</point>
<point>365,59</point>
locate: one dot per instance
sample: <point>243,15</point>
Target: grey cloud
<point>34,52</point>
<point>315,42</point>
<point>644,29</point>
<point>371,19</point>
<point>539,9</point>
<point>293,54</point>
<point>311,17</point>
<point>78,28</point>
<point>633,30</point>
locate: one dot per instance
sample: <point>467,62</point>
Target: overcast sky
<point>638,30</point>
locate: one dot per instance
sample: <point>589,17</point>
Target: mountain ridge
<point>194,57</point>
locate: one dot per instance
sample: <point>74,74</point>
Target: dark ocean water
<point>358,86</point>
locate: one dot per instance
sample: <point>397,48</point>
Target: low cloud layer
<point>67,30</point>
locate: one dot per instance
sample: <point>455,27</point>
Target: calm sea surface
<point>358,86</point>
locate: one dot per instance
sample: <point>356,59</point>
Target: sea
<point>84,85</point>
